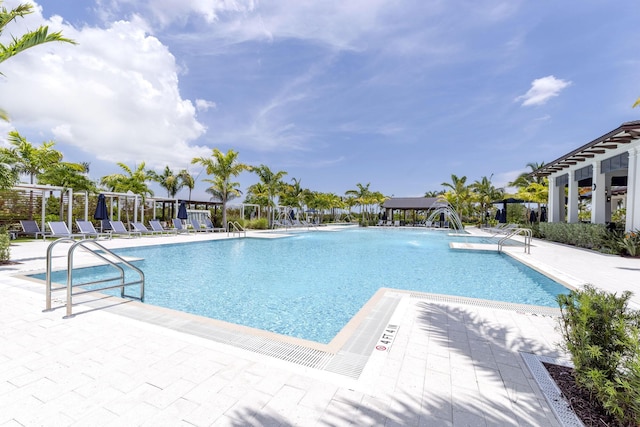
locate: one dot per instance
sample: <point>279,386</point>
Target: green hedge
<point>590,236</point>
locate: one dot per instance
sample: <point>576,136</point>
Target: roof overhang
<point>620,136</point>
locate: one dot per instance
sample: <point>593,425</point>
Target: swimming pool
<point>309,285</point>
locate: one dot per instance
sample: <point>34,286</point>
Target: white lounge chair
<point>157,226</point>
<point>59,229</point>
<point>139,226</point>
<point>198,227</point>
<point>31,228</point>
<point>208,224</point>
<point>120,230</point>
<point>87,230</point>
<point>180,228</point>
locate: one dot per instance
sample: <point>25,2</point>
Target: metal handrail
<point>237,228</point>
<point>69,286</point>
<point>526,232</point>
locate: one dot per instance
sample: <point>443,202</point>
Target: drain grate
<point>551,392</point>
<point>523,308</point>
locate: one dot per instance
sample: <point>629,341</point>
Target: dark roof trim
<point>412,203</point>
<point>624,134</point>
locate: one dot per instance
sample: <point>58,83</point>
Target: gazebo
<point>414,204</point>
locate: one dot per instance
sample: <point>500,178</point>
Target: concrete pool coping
<point>450,363</point>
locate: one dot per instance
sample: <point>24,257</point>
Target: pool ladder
<point>237,228</point>
<point>526,232</point>
<point>105,255</point>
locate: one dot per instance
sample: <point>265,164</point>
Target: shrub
<point>602,335</point>
<point>5,242</point>
<point>257,224</point>
<point>630,243</point>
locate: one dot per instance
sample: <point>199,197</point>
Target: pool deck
<point>447,364</point>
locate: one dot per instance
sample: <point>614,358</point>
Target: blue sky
<point>397,94</point>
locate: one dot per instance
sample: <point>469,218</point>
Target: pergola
<point>414,204</point>
<point>607,164</point>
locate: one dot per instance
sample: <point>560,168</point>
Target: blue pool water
<point>309,285</point>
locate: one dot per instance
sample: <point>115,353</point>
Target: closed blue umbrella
<point>101,208</point>
<point>182,211</point>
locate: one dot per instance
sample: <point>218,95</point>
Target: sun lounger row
<point>86,229</point>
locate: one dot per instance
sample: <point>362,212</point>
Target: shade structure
<point>101,208</point>
<point>182,211</point>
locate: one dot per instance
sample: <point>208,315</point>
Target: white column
<point>598,195</point>
<point>633,192</point>
<point>573,199</point>
<point>69,207</point>
<point>552,210</point>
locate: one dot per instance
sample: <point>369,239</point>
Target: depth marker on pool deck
<point>388,335</point>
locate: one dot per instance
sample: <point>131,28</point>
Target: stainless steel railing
<point>105,255</point>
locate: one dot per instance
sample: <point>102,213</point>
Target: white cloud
<point>115,95</point>
<point>204,105</point>
<point>542,90</point>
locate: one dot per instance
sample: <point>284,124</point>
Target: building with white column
<point>607,165</point>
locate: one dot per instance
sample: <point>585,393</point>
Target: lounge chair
<point>157,226</point>
<point>208,224</point>
<point>59,229</point>
<point>177,224</point>
<point>87,230</point>
<point>31,228</point>
<point>139,226</point>
<point>198,227</point>
<point>119,229</point>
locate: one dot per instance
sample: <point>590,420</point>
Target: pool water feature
<point>309,285</point>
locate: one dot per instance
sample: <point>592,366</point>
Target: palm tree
<point>167,180</point>
<point>132,180</point>
<point>68,175</point>
<point>29,159</point>
<point>459,192</point>
<point>186,180</point>
<point>525,178</point>
<point>362,197</point>
<point>432,193</point>
<point>223,190</point>
<point>223,167</point>
<point>30,39</point>
<point>272,184</point>
<point>294,195</point>
<point>485,193</point>
<point>532,189</point>
<point>25,158</point>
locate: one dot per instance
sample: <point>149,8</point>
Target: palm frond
<point>31,39</point>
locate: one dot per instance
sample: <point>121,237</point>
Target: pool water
<point>309,285</point>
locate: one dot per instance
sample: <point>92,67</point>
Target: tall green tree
<point>484,193</point>
<point>28,40</point>
<point>271,183</point>
<point>29,159</point>
<point>168,180</point>
<point>294,195</point>
<point>459,193</point>
<point>223,167</point>
<point>134,180</point>
<point>532,189</point>
<point>187,180</point>
<point>68,175</point>
<point>525,178</point>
